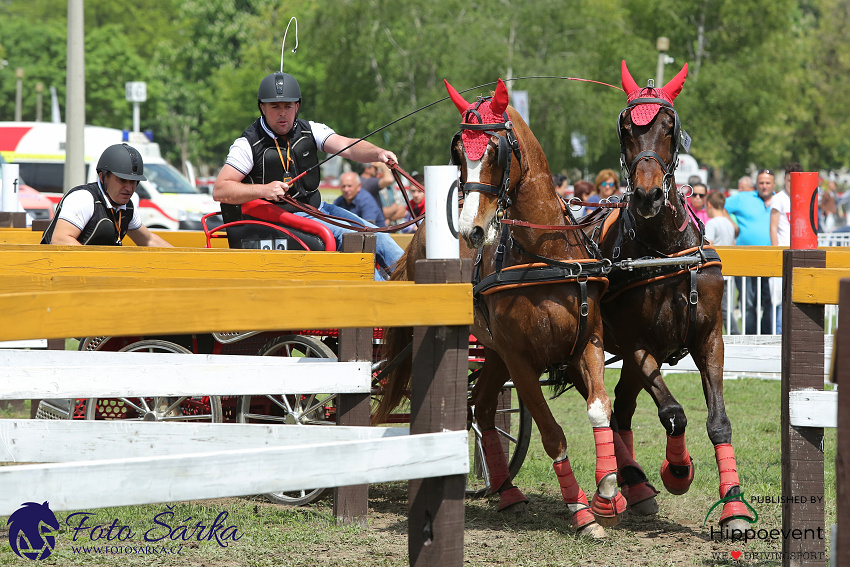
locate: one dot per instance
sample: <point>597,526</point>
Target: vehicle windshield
<point>166,179</point>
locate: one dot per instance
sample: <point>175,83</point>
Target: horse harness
<point>543,270</point>
<point>668,168</point>
<point>624,274</point>
<point>508,145</point>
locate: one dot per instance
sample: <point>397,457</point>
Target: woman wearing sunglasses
<point>607,183</point>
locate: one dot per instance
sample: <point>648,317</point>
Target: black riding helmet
<point>123,161</point>
<point>278,87</point>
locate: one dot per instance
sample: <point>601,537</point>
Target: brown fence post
<point>842,456</point>
<point>351,503</point>
<point>438,403</point>
<point>13,220</point>
<point>802,447</point>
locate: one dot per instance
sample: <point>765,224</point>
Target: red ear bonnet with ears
<point>644,113</point>
<point>475,141</point>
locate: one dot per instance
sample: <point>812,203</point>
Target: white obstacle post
<point>9,200</point>
<point>441,198</point>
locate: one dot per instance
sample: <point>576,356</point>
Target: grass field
<point>286,537</point>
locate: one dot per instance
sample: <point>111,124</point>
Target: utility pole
<point>19,89</point>
<point>662,44</point>
<point>39,91</point>
<point>75,103</point>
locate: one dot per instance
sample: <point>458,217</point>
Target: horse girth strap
<point>536,274</point>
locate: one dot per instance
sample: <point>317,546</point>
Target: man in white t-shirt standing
<point>102,213</point>
<point>780,234</point>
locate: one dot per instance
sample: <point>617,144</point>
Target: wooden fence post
<point>351,503</point>
<point>841,546</point>
<point>802,447</point>
<point>13,220</point>
<point>438,403</point>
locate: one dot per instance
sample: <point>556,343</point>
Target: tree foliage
<point>765,81</point>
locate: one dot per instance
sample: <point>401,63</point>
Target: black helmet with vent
<point>123,161</point>
<point>279,87</point>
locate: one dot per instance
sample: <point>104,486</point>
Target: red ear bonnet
<point>475,141</point>
<point>644,113</point>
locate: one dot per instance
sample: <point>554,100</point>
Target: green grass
<point>279,536</point>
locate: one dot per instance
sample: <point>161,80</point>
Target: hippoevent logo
<point>763,533</point>
<point>31,530</point>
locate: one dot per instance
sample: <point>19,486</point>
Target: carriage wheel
<point>293,409</point>
<point>513,422</point>
<point>182,408</point>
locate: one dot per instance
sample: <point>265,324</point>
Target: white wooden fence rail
<point>114,463</point>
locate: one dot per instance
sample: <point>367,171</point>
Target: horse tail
<point>559,379</point>
<point>396,383</point>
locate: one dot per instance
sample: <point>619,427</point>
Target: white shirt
<point>78,208</point>
<point>241,157</point>
<point>782,202</point>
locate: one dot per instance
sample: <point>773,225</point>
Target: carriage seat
<point>261,225</point>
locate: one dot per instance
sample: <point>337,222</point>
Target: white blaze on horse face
<point>471,203</point>
<point>597,415</point>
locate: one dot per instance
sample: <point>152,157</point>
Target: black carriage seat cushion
<point>256,237</point>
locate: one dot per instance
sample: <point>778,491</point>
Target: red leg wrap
<point>726,466</point>
<point>500,480</point>
<point>494,454</point>
<point>628,439</point>
<point>606,461</point>
<point>573,494</point>
<point>677,453</point>
<point>728,469</point>
<point>625,456</point>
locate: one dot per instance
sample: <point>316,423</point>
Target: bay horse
<point>667,308</point>
<point>536,295</point>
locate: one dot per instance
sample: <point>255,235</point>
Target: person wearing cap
<point>102,213</point>
<point>278,147</point>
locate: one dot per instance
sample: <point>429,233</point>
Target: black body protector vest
<point>295,156</point>
<point>100,230</point>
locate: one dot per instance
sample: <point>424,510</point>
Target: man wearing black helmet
<point>102,213</point>
<point>277,147</point>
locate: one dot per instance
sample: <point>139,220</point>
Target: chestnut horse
<point>536,294</point>
<point>661,309</point>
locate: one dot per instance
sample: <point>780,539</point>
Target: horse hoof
<point>734,528</point>
<point>641,498</point>
<point>516,510</point>
<point>648,507</point>
<point>677,484</point>
<point>593,531</point>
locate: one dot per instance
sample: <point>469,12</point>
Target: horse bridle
<point>508,147</point>
<point>669,169</point>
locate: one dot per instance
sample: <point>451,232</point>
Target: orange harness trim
<point>609,222</point>
<point>506,287</point>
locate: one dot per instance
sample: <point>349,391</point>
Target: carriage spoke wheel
<point>291,409</point>
<point>159,408</point>
<point>513,423</point>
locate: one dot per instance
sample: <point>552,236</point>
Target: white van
<point>687,167</point>
<point>166,200</point>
